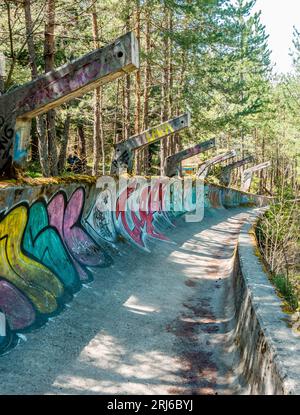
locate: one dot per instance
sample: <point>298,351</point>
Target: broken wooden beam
<point>59,86</point>
<point>172,162</point>
<point>227,170</point>
<point>248,174</point>
<point>124,151</point>
<point>204,168</point>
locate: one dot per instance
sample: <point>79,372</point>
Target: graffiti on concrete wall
<point>66,84</point>
<point>65,216</point>
<point>214,197</point>
<point>231,198</point>
<point>43,243</point>
<point>248,174</point>
<point>124,156</point>
<point>45,253</point>
<point>99,221</point>
<point>171,164</point>
<point>47,249</point>
<point>136,213</point>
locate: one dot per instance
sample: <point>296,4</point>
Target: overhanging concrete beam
<point>248,175</point>
<point>172,162</point>
<point>61,85</point>
<point>204,168</point>
<point>227,170</point>
<point>124,151</point>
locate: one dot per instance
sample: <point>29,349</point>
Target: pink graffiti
<point>17,309</point>
<point>66,218</point>
<point>214,198</point>
<point>65,85</point>
<point>138,224</point>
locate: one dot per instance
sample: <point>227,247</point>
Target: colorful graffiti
<point>56,87</point>
<point>248,174</point>
<point>44,244</point>
<point>66,84</point>
<point>45,253</point>
<point>6,142</point>
<point>214,197</point>
<point>99,221</point>
<point>172,162</point>
<point>50,247</point>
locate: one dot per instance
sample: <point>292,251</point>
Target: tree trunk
<point>127,127</point>
<point>34,142</point>
<point>137,115</point>
<point>127,107</point>
<point>147,75</point>
<point>13,57</point>
<point>172,141</point>
<point>165,93</point>
<point>49,46</point>
<point>81,141</point>
<point>40,121</point>
<point>98,136</point>
<point>117,135</point>
<point>64,145</point>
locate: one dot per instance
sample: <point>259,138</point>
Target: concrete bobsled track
<point>139,302</point>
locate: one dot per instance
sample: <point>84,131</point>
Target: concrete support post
<point>58,86</point>
<point>172,162</point>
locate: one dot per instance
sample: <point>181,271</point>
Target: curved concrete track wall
<point>56,238</point>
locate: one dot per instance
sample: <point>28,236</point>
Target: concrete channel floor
<point>153,323</point>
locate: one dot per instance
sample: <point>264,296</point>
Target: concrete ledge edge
<point>283,345</point>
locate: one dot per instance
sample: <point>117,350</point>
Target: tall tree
<point>49,50</point>
<point>41,127</point>
<point>98,137</point>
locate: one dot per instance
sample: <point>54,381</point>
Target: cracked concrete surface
<point>157,323</point>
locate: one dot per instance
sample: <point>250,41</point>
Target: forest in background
<point>210,57</point>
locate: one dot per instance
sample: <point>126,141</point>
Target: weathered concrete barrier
<point>54,237</point>
<point>269,352</point>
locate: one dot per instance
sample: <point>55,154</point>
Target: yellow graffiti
<point>159,132</point>
<point>32,278</point>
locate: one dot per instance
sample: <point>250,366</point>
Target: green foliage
<point>219,68</point>
<point>286,290</point>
